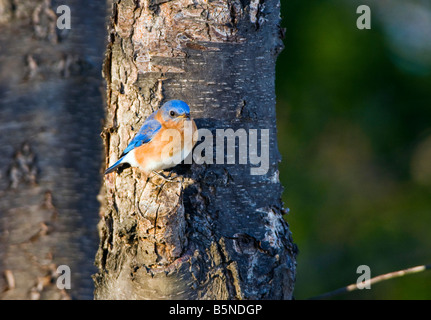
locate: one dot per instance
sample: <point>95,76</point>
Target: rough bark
<point>51,109</point>
<point>218,232</point>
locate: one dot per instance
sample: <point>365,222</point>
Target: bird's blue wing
<point>148,130</point>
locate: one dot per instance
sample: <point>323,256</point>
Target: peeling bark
<point>217,232</point>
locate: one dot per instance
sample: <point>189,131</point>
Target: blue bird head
<point>175,110</point>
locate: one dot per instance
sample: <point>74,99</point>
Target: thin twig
<point>383,277</point>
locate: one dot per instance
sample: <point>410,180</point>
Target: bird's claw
<point>166,179</point>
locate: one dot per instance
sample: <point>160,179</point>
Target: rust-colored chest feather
<point>174,141</point>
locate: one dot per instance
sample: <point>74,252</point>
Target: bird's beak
<point>186,115</point>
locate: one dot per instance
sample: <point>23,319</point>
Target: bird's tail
<point>114,166</point>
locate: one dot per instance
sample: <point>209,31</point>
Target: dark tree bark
<point>51,109</point>
<point>217,232</point>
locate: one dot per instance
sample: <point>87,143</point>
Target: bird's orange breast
<point>171,139</point>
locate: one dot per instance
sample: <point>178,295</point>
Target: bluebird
<point>165,139</point>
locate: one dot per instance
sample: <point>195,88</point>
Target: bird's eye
<point>172,113</point>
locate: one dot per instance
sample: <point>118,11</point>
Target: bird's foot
<point>166,178</point>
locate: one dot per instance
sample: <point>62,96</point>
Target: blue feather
<point>148,130</point>
<point>114,166</point>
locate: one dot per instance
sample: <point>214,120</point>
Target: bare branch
<point>383,277</point>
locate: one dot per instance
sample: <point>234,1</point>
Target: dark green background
<point>354,131</point>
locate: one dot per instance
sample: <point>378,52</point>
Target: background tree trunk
<point>219,233</point>
<point>50,121</point>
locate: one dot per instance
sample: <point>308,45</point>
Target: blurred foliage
<point>354,126</point>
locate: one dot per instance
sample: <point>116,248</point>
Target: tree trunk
<point>218,231</point>
<point>50,120</point>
